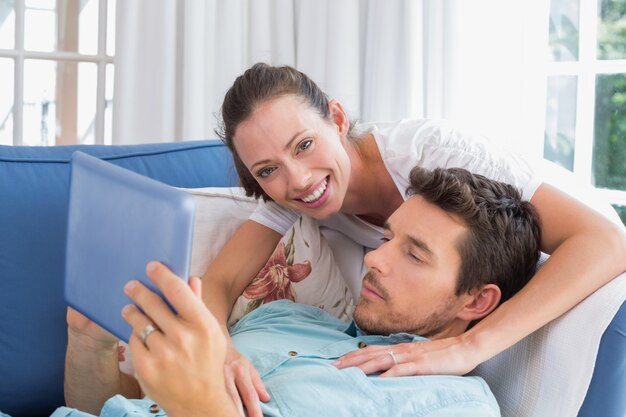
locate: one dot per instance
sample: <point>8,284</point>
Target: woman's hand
<point>244,384</point>
<point>449,356</point>
<point>181,365</point>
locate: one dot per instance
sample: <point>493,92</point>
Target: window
<point>586,93</point>
<point>56,67</point>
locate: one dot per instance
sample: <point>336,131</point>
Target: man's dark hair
<point>502,243</point>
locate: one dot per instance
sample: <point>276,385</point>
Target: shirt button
<point>362,344</point>
<point>292,353</point>
<point>154,408</point>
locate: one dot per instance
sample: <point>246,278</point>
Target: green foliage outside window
<point>609,151</point>
<point>621,210</point>
<point>609,138</point>
<point>612,29</point>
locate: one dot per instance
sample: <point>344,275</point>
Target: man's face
<point>413,275</point>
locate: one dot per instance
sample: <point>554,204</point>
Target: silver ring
<point>393,357</point>
<point>146,332</point>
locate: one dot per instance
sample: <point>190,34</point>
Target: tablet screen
<point>118,221</point>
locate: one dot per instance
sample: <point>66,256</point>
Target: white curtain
<point>486,66</point>
<point>176,59</point>
<point>480,63</point>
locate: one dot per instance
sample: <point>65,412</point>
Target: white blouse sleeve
<point>274,216</point>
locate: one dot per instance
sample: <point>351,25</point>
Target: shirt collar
<point>354,331</point>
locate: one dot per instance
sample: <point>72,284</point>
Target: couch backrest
<point>33,216</point>
<point>33,219</point>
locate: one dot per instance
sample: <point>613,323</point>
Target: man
<point>458,247</point>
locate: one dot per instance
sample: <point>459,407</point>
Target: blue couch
<point>33,217</point>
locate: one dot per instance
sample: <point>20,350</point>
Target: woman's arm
<point>232,270</point>
<point>587,251</point>
<point>241,258</point>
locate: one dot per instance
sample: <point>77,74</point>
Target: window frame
<point>586,69</point>
<point>19,55</point>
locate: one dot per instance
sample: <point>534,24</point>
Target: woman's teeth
<point>317,193</point>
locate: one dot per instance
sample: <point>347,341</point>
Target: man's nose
<point>378,259</point>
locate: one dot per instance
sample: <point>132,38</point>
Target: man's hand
<point>449,356</point>
<point>244,384</point>
<point>181,365</point>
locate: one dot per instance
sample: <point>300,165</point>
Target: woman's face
<point>296,156</point>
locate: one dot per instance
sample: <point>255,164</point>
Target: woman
<point>294,148</point>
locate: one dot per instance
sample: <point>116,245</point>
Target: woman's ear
<point>339,117</point>
<point>481,302</point>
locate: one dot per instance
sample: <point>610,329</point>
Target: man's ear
<point>339,116</point>
<point>481,302</point>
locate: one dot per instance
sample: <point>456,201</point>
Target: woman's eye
<point>265,172</point>
<point>304,145</point>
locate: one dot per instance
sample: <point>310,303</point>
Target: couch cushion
<point>605,396</point>
<point>33,221</point>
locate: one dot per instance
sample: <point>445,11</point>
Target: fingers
<point>174,289</point>
<point>376,362</point>
<point>443,356</point>
<point>393,360</point>
<point>183,298</point>
<point>248,394</point>
<point>259,386</point>
<point>138,322</point>
<point>403,369</point>
<point>198,325</point>
<point>195,283</point>
<point>244,384</point>
<point>361,356</point>
<point>231,388</point>
<point>151,303</point>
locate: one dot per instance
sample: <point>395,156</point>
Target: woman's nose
<point>300,177</point>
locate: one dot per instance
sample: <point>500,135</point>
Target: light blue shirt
<point>293,345</point>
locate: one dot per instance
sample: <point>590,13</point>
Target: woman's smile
<point>316,196</point>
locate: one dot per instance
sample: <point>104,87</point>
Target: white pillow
<point>302,269</point>
<point>219,212</point>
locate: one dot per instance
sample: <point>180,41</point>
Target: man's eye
<point>304,145</point>
<point>265,172</point>
<point>415,258</point>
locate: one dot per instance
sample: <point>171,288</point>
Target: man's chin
<point>365,319</point>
